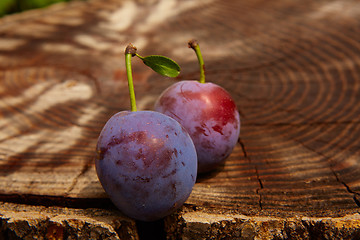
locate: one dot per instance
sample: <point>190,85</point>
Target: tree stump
<point>293,69</point>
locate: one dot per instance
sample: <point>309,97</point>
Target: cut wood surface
<point>293,68</point>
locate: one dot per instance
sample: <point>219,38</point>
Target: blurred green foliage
<point>14,6</point>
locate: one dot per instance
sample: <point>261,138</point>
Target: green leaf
<point>162,65</point>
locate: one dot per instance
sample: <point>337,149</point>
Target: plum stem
<point>130,51</point>
<point>142,58</point>
<point>195,46</point>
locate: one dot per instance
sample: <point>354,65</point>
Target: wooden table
<point>293,68</point>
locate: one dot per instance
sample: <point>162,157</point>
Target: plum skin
<point>146,163</point>
<point>210,116</point>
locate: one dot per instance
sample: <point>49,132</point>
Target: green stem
<point>195,46</point>
<point>130,51</point>
<point>142,58</point>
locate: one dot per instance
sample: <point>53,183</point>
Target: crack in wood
<point>82,172</point>
<point>261,186</point>
<point>151,230</point>
<point>59,201</point>
<point>357,202</point>
<point>336,175</point>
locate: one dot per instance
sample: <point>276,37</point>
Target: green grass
<point>14,6</point>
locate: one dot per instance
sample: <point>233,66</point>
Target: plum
<point>208,113</point>
<point>146,162</point>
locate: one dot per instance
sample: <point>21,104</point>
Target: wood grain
<point>292,67</point>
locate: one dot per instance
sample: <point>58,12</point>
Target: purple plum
<point>147,163</point>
